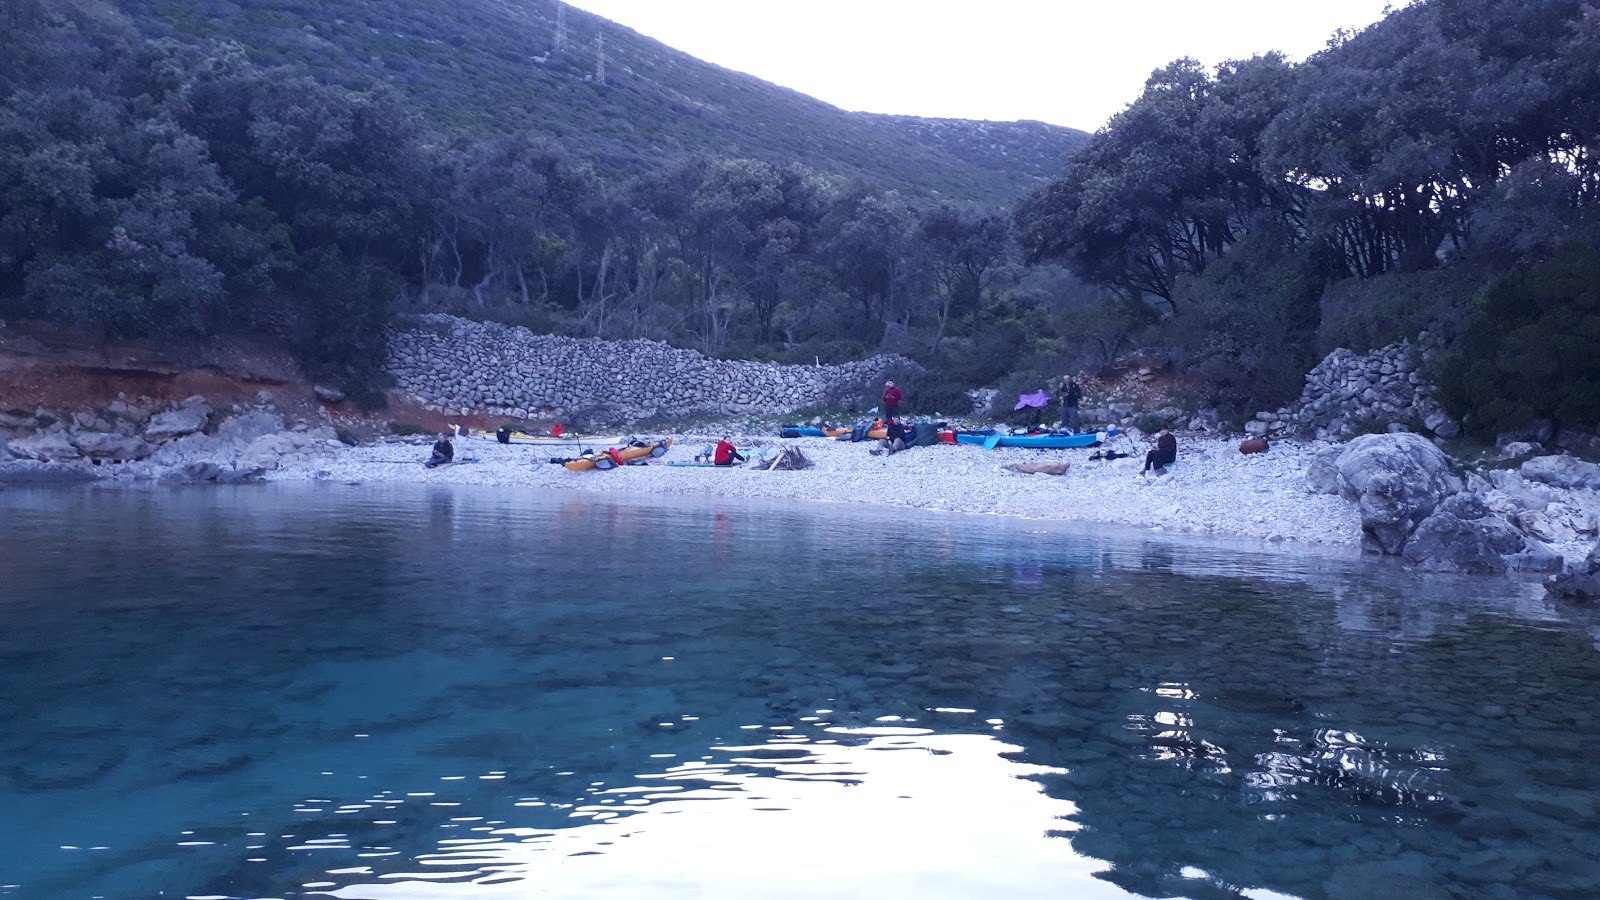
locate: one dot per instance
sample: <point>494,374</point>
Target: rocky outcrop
<point>142,440</point>
<point>1349,393</point>
<point>1582,584</point>
<point>1396,481</point>
<point>457,364</point>
<point>1412,506</point>
<point>1461,535</point>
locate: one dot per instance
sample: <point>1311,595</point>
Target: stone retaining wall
<point>461,365</point>
<point>1348,394</point>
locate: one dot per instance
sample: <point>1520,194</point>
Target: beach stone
<point>110,445</point>
<point>1441,424</point>
<point>1322,475</point>
<point>1396,481</point>
<point>177,423</point>
<point>1535,559</point>
<point>45,447</point>
<point>1562,471</point>
<point>327,394</point>
<point>246,428</point>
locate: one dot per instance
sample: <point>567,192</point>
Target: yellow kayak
<point>610,459</point>
<point>523,437</point>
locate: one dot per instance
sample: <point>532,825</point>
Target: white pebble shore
<point>1213,489</point>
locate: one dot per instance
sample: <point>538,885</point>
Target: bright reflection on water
<point>400,692</point>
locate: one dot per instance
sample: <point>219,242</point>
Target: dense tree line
<point>1274,211</point>
<point>1435,171</point>
<point>172,189</point>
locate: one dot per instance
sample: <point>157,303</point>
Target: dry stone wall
<point>1349,394</point>
<point>486,367</point>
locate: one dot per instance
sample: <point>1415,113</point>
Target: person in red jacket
<point>726,453</point>
<point>891,401</point>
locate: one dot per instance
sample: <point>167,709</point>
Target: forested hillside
<point>607,93</point>
<point>1434,173</point>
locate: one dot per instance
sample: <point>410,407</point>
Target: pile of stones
<point>1349,394</point>
<point>458,365</point>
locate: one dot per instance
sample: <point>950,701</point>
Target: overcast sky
<point>1063,61</point>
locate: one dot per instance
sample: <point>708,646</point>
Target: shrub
<point>408,429</point>
<point>1363,314</point>
<point>1529,351</point>
<point>928,393</point>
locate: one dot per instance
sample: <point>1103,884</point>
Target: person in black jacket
<point>443,452</point>
<point>895,441</point>
<point>1071,396</point>
<point>1165,453</point>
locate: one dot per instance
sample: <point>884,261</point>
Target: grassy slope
<point>490,65</point>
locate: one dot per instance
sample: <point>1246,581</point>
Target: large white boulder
<point>1396,481</point>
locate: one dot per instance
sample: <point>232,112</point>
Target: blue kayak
<point>1034,441</point>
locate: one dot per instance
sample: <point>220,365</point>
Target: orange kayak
<point>610,459</point>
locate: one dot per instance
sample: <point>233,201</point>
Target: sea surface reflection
<point>416,692</point>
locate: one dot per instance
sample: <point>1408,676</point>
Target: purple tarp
<point>1039,399</point>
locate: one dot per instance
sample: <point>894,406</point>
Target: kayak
<point>794,431</point>
<point>608,459</point>
<point>1034,441</point>
<point>523,437</point>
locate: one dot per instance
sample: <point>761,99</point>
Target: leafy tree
<point>1528,353</point>
<point>961,250</point>
<point>1168,185</point>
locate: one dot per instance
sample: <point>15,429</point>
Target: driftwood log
<point>1040,468</point>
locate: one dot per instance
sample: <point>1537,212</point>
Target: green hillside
<point>609,93</point>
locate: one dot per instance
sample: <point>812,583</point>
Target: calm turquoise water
<point>410,692</point>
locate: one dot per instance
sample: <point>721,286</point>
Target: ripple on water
<point>416,693</point>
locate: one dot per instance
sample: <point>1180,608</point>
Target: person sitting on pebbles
<point>894,441</point>
<point>1164,454</point>
<point>726,453</point>
<point>443,452</point>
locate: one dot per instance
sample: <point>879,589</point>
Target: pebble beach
<point>1213,489</point>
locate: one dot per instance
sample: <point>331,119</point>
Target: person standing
<point>891,401</point>
<point>1165,453</point>
<point>1071,396</point>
